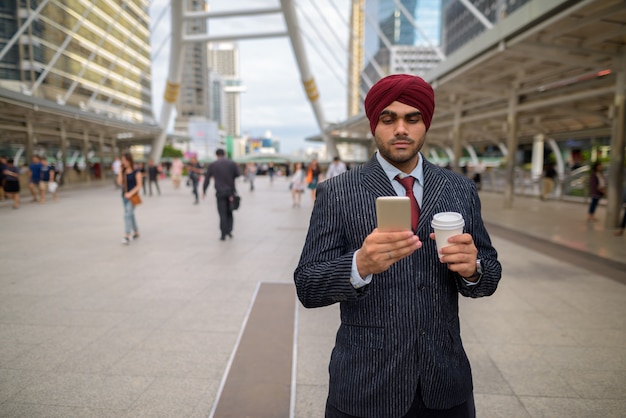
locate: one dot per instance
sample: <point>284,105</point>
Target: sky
<point>274,100</point>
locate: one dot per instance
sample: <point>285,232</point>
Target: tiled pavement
<point>90,328</point>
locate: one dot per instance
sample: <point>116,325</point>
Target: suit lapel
<point>375,180</point>
<point>434,186</point>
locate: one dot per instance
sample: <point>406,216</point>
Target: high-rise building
<point>459,25</point>
<point>223,62</point>
<point>394,24</point>
<point>395,45</point>
<point>91,55</point>
<point>193,100</point>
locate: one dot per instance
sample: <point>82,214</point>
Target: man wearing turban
<point>398,351</point>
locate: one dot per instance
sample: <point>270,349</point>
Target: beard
<point>400,157</point>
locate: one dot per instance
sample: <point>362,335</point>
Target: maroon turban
<point>404,88</point>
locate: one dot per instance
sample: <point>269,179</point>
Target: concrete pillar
<point>372,148</point>
<point>87,171</point>
<point>472,153</point>
<point>537,157</point>
<point>457,146</point>
<point>503,149</point>
<point>512,143</point>
<point>174,76</point>
<point>64,146</point>
<point>618,142</point>
<point>101,156</point>
<point>295,35</point>
<point>560,167</point>
<point>30,141</point>
<point>434,155</point>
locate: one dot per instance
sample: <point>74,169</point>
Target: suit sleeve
<point>322,277</point>
<point>492,270</point>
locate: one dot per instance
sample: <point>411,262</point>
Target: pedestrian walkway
<point>91,328</point>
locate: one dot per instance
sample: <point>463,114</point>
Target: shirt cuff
<point>355,278</point>
<point>468,283</point>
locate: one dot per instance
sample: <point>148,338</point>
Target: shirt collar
<point>392,172</point>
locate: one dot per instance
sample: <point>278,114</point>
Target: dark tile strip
<point>259,381</point>
<point>611,269</point>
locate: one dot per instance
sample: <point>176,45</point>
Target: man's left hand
<point>461,255</point>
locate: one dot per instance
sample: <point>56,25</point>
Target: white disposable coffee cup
<point>446,225</point>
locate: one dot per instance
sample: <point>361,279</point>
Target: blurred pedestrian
<point>144,176</point>
<point>224,171</point>
<point>548,180</point>
<point>116,166</point>
<point>335,168</point>
<point>313,177</point>
<point>177,172</point>
<point>47,182</point>
<point>194,170</point>
<point>3,166</point>
<point>130,180</point>
<point>250,173</point>
<point>270,172</point>
<point>153,176</point>
<point>620,231</point>
<point>297,185</point>
<point>597,189</point>
<point>11,186</point>
<point>59,171</point>
<point>478,170</point>
<point>35,177</point>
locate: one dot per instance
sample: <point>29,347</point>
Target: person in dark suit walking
<point>398,350</point>
<point>153,176</point>
<point>225,172</point>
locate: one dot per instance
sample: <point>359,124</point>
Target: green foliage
<point>171,152</point>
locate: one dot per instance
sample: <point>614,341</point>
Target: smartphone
<point>393,213</point>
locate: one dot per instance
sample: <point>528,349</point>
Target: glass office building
<point>402,48</point>
<point>460,25</point>
<point>91,55</point>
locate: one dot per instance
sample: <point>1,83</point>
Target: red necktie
<point>407,183</point>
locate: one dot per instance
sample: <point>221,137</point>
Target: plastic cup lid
<point>448,217</point>
<point>447,225</point>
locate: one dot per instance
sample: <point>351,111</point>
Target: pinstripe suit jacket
<point>403,327</point>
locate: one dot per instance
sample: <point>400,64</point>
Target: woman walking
<point>597,189</point>
<point>12,183</point>
<point>313,177</point>
<point>130,179</point>
<point>297,185</point>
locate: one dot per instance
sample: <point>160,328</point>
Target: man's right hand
<point>381,249</point>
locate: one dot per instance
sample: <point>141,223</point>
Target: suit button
<point>421,286</point>
<point>422,332</point>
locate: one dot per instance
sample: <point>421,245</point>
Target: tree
<point>171,152</point>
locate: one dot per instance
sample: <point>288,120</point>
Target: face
<point>399,135</point>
